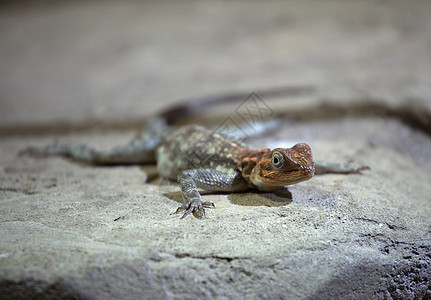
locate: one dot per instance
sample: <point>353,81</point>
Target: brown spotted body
<point>199,158</point>
<point>229,165</point>
<point>194,147</point>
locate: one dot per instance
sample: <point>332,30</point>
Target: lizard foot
<point>80,153</point>
<point>351,167</point>
<point>33,152</point>
<point>50,150</point>
<point>197,208</point>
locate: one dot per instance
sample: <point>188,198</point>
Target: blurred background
<point>77,62</point>
<point>74,67</point>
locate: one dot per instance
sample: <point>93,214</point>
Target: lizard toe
<point>180,209</point>
<point>208,205</point>
<point>197,208</point>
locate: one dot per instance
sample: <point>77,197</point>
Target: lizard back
<point>195,147</point>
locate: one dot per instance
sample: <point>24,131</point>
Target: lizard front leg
<point>343,168</point>
<point>207,179</point>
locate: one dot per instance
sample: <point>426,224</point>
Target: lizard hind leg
<point>138,151</point>
<point>132,152</point>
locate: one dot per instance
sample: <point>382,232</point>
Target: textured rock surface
<point>94,232</point>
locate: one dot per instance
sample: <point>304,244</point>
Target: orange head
<point>283,166</point>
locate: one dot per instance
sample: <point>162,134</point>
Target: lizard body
<point>199,158</point>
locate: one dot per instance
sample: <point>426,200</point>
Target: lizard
<point>198,158</point>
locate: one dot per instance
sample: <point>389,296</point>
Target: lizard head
<point>283,166</point>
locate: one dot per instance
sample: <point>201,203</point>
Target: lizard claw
<point>197,208</point>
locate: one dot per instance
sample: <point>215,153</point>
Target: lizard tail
<point>190,107</point>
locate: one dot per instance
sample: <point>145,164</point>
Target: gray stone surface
<point>66,67</point>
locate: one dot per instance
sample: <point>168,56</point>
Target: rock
<point>74,231</point>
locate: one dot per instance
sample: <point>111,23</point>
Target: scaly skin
<point>199,158</point>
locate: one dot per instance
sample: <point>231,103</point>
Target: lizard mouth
<point>278,179</point>
<point>299,178</point>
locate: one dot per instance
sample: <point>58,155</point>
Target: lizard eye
<point>277,160</point>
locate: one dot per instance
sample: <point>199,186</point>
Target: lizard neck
<point>248,159</point>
